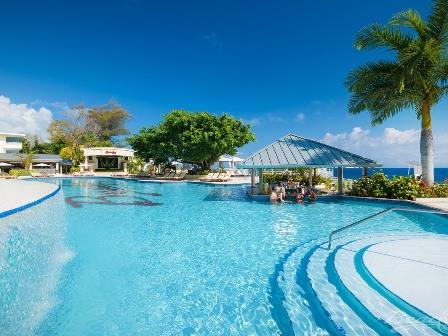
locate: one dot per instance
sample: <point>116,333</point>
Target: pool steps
<point>323,293</point>
<point>401,322</point>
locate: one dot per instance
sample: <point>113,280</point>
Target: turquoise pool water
<point>116,257</point>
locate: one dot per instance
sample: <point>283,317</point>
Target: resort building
<point>11,142</point>
<point>97,159</point>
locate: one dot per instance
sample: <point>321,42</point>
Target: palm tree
<point>417,76</point>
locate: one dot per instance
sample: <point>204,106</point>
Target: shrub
<point>399,187</point>
<point>405,187</point>
<point>74,169</point>
<point>297,175</point>
<point>20,172</point>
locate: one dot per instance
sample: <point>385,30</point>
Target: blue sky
<point>279,65</point>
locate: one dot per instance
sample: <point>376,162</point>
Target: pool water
<point>119,257</point>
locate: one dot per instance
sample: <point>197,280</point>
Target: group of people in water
<point>278,193</point>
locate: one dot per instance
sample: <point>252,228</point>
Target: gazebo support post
<point>252,179</point>
<point>260,181</point>
<point>365,171</point>
<point>310,177</point>
<point>340,180</point>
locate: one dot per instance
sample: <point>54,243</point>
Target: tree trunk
<point>427,146</point>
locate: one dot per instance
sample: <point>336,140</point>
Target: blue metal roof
<point>16,157</point>
<point>293,151</point>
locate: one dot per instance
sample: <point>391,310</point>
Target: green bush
<point>74,169</point>
<point>405,187</point>
<point>297,175</point>
<point>20,172</point>
<point>399,187</point>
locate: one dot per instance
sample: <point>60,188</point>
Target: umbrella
<point>225,159</point>
<point>42,165</point>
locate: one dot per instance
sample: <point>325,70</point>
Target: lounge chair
<point>208,177</point>
<point>167,176</point>
<point>7,176</point>
<point>180,176</point>
<point>212,177</point>
<point>36,174</point>
<point>224,177</point>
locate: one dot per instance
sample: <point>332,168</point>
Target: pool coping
<point>30,204</point>
<point>415,204</point>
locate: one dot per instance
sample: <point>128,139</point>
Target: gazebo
<point>293,151</point>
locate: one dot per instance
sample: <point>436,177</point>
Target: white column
<point>340,180</point>
<point>310,177</point>
<point>125,167</point>
<point>260,181</point>
<point>86,162</point>
<point>57,168</point>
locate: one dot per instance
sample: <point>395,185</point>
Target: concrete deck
<point>437,203</point>
<point>18,193</point>
<point>414,269</point>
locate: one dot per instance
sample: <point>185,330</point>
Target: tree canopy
<point>196,137</point>
<point>86,126</point>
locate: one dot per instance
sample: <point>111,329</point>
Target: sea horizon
<point>440,173</point>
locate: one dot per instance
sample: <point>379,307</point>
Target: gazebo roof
<point>293,151</point>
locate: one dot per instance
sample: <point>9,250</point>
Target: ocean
<point>440,174</point>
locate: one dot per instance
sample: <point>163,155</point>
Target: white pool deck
<point>414,269</point>
<point>437,203</point>
<point>18,193</point>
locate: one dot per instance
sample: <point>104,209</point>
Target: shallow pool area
<point>111,256</point>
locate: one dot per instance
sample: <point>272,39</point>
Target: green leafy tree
<point>416,77</point>
<point>107,121</point>
<point>72,153</point>
<point>27,159</point>
<point>193,137</point>
<point>26,146</point>
<point>85,127</point>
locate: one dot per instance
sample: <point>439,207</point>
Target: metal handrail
<point>330,237</point>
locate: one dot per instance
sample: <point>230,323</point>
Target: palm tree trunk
<point>427,146</point>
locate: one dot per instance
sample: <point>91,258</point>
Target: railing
<point>330,237</point>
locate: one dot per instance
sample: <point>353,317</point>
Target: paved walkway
<point>438,203</point>
<point>17,193</point>
<point>414,269</point>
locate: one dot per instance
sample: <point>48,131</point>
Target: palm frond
<point>378,36</point>
<point>383,88</point>
<point>438,21</point>
<point>410,19</point>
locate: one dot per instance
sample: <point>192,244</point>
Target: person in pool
<point>313,196</point>
<point>279,192</point>
<point>273,198</point>
<point>299,197</point>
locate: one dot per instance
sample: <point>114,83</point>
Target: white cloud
<point>21,118</point>
<point>253,121</point>
<point>213,40</point>
<point>300,117</point>
<point>394,136</point>
<point>393,147</point>
<point>275,118</point>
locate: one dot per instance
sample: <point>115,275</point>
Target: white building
<point>11,143</point>
<point>106,158</point>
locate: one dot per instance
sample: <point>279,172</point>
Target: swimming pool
<point>119,257</point>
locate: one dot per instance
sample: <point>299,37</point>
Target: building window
<point>12,151</point>
<point>90,158</point>
<point>13,139</point>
